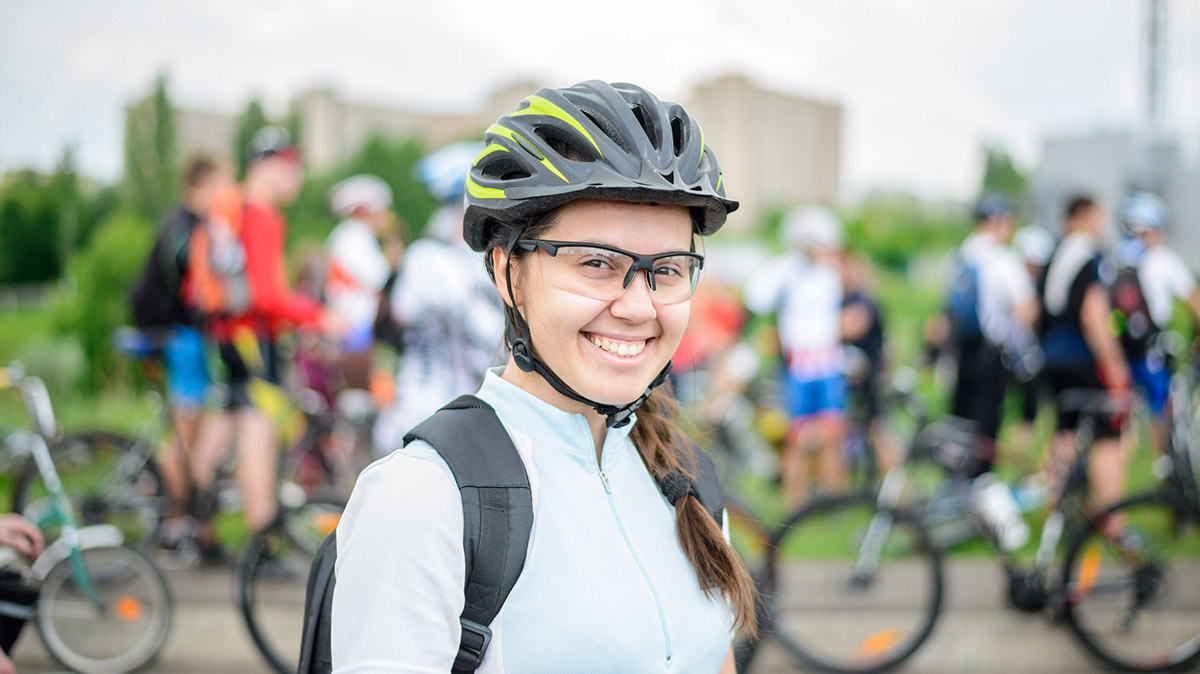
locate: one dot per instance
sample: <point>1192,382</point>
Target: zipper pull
<point>604,478</point>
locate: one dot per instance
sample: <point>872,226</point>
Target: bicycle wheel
<point>123,634</point>
<point>751,541</point>
<point>856,589</point>
<point>1130,585</point>
<point>109,478</point>
<point>272,576</point>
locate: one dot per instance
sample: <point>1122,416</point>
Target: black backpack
<point>156,298</point>
<point>1131,314</point>
<point>497,520</point>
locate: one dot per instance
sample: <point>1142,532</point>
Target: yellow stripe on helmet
<point>521,140</point>
<point>479,192</point>
<point>541,106</point>
<point>488,150</point>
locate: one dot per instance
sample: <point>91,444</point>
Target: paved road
<point>975,634</point>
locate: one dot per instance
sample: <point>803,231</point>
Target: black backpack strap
<point>315,655</point>
<point>497,512</point>
<point>705,482</point>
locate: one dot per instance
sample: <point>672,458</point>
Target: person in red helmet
<point>246,341</point>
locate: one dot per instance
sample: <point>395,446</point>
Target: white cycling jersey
<point>605,587</point>
<point>1164,278</point>
<point>453,328</point>
<point>807,298</point>
<point>355,271</point>
<point>1004,284</point>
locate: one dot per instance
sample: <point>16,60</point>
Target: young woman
<point>586,202</point>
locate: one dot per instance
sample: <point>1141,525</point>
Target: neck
<point>534,384</point>
<point>258,191</point>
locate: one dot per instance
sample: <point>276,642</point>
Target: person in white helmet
<point>356,267</point>
<point>1149,280</point>
<point>447,304</point>
<point>803,288</point>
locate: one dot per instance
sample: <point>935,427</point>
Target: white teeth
<point>627,349</point>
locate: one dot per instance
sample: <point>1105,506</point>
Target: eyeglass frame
<point>640,261</point>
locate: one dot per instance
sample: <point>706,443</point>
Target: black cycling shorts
<point>1062,379</point>
<point>980,386</point>
<point>238,372</point>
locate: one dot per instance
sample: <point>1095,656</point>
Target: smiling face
<point>606,350</point>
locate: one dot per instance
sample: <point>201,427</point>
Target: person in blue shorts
<point>803,289</point>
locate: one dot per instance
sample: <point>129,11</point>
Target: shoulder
<point>412,488</point>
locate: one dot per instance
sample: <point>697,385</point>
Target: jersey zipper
<point>662,616</point>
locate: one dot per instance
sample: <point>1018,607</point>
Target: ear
<point>501,270</point>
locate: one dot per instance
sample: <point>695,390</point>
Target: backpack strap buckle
<point>472,645</point>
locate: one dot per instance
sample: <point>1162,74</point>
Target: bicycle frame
<point>72,540</point>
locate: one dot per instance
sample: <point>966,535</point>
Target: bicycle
<point>106,475</point>
<point>272,575</point>
<point>889,595</point>
<point>101,607</point>
<point>271,568</point>
<point>1129,598</point>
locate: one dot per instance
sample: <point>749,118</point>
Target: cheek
<point>674,320</point>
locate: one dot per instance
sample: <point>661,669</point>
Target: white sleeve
<point>400,569</point>
<point>763,291</point>
<point>1183,283</point>
<point>358,253</point>
<point>1014,278</point>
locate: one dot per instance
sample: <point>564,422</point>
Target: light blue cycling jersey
<point>605,588</point>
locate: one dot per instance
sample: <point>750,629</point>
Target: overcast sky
<point>923,82</point>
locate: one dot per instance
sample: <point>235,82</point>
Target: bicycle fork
<point>880,526</point>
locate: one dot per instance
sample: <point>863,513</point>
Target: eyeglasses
<point>604,272</point>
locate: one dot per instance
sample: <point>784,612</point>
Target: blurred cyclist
<point>446,302</point>
<point>274,176</point>
<point>1149,278</point>
<point>990,306</point>
<point>1081,352</point>
<point>803,288</point>
<point>158,305</point>
<point>1034,245</point>
<point>862,329</point>
<point>356,267</point>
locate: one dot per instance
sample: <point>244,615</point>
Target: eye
<point>672,268</point>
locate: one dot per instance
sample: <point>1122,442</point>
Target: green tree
<point>29,230</point>
<point>97,305</point>
<point>393,161</point>
<point>1000,174</point>
<point>151,167</point>
<point>252,119</point>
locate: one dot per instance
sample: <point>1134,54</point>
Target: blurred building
<point>1110,164</point>
<point>776,149</point>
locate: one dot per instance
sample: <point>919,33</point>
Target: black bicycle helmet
<point>592,140</point>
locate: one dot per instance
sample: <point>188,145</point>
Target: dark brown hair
<point>197,169</point>
<point>663,448</point>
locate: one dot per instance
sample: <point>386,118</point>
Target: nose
<point>636,303</point>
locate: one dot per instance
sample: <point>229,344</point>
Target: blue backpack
<point>962,302</point>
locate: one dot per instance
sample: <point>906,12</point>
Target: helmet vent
<point>505,168</point>
<point>606,126</point>
<point>564,144</point>
<point>677,135</point>
<point>648,126</point>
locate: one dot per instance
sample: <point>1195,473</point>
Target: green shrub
<point>102,273</point>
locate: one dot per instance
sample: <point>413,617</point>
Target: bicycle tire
<point>1153,564</point>
<point>105,482</point>
<point>131,630</point>
<point>272,575</point>
<point>831,617</point>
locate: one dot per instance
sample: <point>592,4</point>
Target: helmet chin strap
<point>520,343</point>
